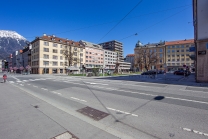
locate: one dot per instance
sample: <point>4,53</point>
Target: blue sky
<point>90,20</point>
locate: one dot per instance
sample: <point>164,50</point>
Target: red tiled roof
<point>179,42</point>
<point>60,40</point>
<point>131,55</point>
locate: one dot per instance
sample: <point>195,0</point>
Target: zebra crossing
<point>39,79</point>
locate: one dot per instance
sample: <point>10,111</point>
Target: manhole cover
<point>65,135</point>
<point>93,113</point>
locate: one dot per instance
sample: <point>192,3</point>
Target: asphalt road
<point>136,109</point>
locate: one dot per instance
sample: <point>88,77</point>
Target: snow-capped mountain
<point>10,41</point>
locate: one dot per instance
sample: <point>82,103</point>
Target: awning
<point>72,68</point>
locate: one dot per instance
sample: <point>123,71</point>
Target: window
<point>86,52</point>
<point>86,56</point>
<point>168,51</point>
<point>75,59</point>
<point>161,55</point>
<point>187,50</point>
<point>182,59</point>
<point>160,60</point>
<point>55,57</point>
<point>178,46</point>
<point>173,46</point>
<point>55,63</point>
<point>173,55</point>
<point>90,53</point>
<point>173,64</point>
<point>182,50</point>
<point>177,55</point>
<point>173,51</point>
<point>61,51</point>
<point>168,59</point>
<point>81,59</point>
<point>61,46</point>
<point>161,50</point>
<point>182,46</point>
<point>75,53</point>
<point>182,55</point>
<point>75,49</point>
<point>187,46</point>
<point>177,51</point>
<point>150,50</point>
<point>86,60</point>
<point>81,54</point>
<point>187,59</point>
<point>46,63</point>
<point>168,55</point>
<point>55,44</point>
<point>46,49</point>
<point>173,59</point>
<point>61,63</point>
<point>178,63</point>
<point>81,50</point>
<point>65,58</point>
<point>55,51</point>
<point>46,56</point>
<point>46,43</point>
<point>61,58</point>
<point>178,59</point>
<point>187,54</point>
<point>168,46</point>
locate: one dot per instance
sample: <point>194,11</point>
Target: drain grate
<point>93,113</point>
<point>66,135</point>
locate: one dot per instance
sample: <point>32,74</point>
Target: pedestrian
<point>4,77</point>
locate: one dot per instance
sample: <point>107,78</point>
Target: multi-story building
<point>130,58</point>
<point>114,46</point>
<point>178,54</point>
<point>150,56</point>
<point>110,59</point>
<point>47,55</point>
<point>200,22</point>
<point>93,55</point>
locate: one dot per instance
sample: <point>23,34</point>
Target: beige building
<point>150,56</point>
<point>178,54</point>
<point>47,55</point>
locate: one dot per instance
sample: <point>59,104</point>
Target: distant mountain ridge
<point>10,41</point>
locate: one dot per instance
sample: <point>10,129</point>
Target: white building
<point>110,58</point>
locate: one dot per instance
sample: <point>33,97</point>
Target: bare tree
<point>71,54</point>
<point>146,58</point>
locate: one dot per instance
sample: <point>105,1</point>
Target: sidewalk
<point>19,119</point>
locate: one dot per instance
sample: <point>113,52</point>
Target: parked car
<point>148,72</point>
<point>182,72</point>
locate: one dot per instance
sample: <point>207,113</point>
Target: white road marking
<point>96,83</point>
<point>192,91</point>
<point>28,84</point>
<point>11,81</point>
<point>122,112</point>
<point>25,80</point>
<point>154,95</point>
<point>44,89</point>
<point>195,131</point>
<point>59,93</point>
<point>79,99</point>
<point>34,86</point>
<point>15,78</point>
<point>19,81</point>
<point>21,84</point>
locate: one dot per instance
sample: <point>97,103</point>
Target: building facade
<point>47,55</point>
<point>178,54</point>
<point>130,58</point>
<point>114,46</point>
<point>200,22</point>
<point>150,56</point>
<point>93,55</point>
<point>110,59</point>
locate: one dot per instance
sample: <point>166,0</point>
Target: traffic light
<point>6,65</point>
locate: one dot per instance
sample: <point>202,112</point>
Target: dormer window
<point>60,40</point>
